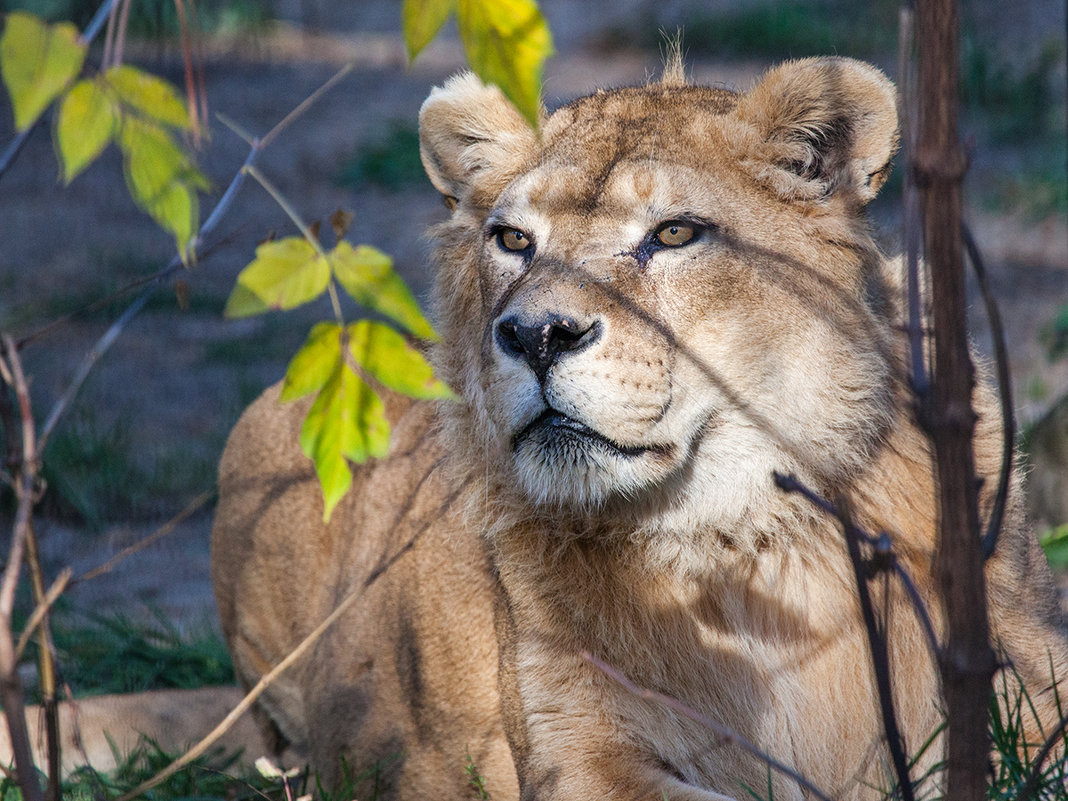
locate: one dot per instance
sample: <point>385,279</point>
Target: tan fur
<point>641,523</point>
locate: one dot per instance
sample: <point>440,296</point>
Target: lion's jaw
<point>628,368</point>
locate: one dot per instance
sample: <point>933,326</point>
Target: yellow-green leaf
<point>312,366</point>
<point>346,421</point>
<point>37,61</point>
<point>161,179</point>
<point>285,274</point>
<point>507,42</point>
<point>422,20</point>
<point>85,124</point>
<point>367,274</point>
<point>387,356</point>
<point>151,96</point>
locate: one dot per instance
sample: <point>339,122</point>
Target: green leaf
<point>507,42</point>
<point>285,274</point>
<point>86,122</point>
<point>161,179</point>
<point>346,421</point>
<point>311,367</point>
<point>151,96</point>
<point>385,354</point>
<point>1055,543</point>
<point>37,61</point>
<point>367,274</point>
<point>422,20</point>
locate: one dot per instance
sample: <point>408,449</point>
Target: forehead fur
<point>639,124</point>
<point>628,121</point>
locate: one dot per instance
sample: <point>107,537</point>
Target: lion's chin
<point>560,461</point>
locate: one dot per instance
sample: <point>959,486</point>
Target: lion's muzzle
<point>543,342</point>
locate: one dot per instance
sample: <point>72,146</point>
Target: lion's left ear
<point>823,127</point>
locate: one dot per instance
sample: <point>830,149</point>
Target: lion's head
<point>667,292</point>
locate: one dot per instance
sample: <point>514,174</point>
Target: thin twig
<point>58,587</point>
<point>883,545</point>
<point>91,358</point>
<point>1035,775</point>
<point>305,231</point>
<point>305,104</point>
<point>11,693</point>
<point>911,218</point>
<point>268,678</point>
<point>224,204</point>
<point>726,734</point>
<point>7,158</point>
<point>46,666</point>
<point>246,702</point>
<point>1008,418</point>
<point>151,539</point>
<point>880,657</point>
<point>97,22</point>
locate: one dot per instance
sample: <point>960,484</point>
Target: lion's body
<point>669,296</point>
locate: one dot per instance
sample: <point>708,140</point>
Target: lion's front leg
<point>623,774</point>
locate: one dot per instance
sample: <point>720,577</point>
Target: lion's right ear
<point>472,140</point>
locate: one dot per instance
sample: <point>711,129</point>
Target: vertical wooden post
<point>939,167</point>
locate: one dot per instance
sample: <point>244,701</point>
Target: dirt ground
<point>174,383</point>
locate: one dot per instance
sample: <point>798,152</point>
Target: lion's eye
<point>511,239</point>
<point>675,233</point>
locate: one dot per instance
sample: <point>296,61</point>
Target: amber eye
<point>513,240</point>
<point>675,233</point>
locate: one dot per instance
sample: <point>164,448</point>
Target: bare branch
<point>880,658</point>
<point>11,695</point>
<point>1008,418</point>
<point>939,165</point>
<point>246,702</point>
<point>151,539</point>
<point>58,587</point>
<point>726,734</point>
<point>883,545</point>
<point>1034,778</point>
<point>912,223</point>
<point>221,208</point>
<point>7,158</point>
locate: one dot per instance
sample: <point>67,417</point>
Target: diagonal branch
<point>880,656</point>
<point>1008,419</point>
<point>11,693</point>
<point>883,546</point>
<point>221,208</point>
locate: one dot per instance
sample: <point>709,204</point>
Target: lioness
<point>646,308</point>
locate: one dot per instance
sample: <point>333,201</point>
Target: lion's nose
<point>542,343</point>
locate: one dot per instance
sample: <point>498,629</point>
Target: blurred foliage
<point>392,162</point>
<point>118,654</point>
<point>156,19</point>
<point>1054,542</point>
<point>775,30</point>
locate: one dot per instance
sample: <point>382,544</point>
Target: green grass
<point>216,776</point>
<point>102,654</point>
<point>392,162</point>
<point>779,30</point>
<point>94,475</point>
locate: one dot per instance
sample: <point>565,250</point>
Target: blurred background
<point>149,425</point>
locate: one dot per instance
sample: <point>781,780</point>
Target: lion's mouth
<point>552,425</point>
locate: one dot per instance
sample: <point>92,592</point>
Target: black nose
<point>541,344</point>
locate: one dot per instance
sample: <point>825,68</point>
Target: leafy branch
<point>506,42</point>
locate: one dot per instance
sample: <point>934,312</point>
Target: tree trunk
<point>968,661</point>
